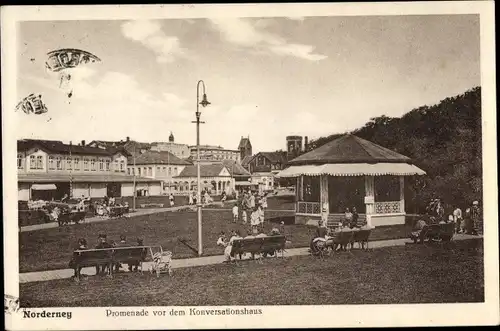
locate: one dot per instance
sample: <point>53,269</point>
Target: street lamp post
<point>204,102</point>
<point>135,181</point>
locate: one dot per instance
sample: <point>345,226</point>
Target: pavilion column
<point>323,186</point>
<point>369,198</point>
<point>401,194</point>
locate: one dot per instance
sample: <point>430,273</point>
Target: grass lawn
<point>436,273</point>
<point>52,248</point>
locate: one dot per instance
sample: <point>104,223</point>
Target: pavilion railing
<point>304,207</point>
<point>387,207</point>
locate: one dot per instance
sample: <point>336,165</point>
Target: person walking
<point>172,200</point>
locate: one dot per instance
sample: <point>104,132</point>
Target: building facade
<point>210,154</point>
<point>179,150</point>
<point>163,166</point>
<point>215,178</point>
<point>49,169</point>
<point>264,166</point>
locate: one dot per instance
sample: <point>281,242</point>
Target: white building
<point>163,166</point>
<point>49,169</point>
<point>179,150</point>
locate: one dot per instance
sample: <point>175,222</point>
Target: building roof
<point>275,157</point>
<point>81,178</point>
<point>154,157</point>
<point>352,169</point>
<point>58,147</point>
<point>235,169</point>
<point>350,149</point>
<point>246,160</point>
<point>206,170</point>
<point>244,142</point>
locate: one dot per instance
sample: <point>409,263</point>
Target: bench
<point>335,220</point>
<point>259,245</point>
<point>107,257</point>
<point>130,255</point>
<point>342,239</point>
<point>117,211</point>
<point>68,217</point>
<point>443,232</point>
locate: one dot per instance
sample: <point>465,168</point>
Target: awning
<point>353,169</point>
<point>43,187</point>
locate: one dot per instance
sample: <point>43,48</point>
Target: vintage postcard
<point>249,166</point>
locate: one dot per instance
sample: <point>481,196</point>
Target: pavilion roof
<point>349,149</point>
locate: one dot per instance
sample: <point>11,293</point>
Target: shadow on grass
<point>444,273</point>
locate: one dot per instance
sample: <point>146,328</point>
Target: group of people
<point>469,222</point>
<point>205,198</point>
<point>253,204</point>
<point>103,243</point>
<point>103,208</point>
<point>223,242</point>
<point>323,233</point>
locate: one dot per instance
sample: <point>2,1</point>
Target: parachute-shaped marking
<point>68,58</point>
<point>32,104</point>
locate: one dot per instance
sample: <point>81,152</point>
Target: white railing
<point>387,207</point>
<point>312,208</point>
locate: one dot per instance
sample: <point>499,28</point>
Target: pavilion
<point>350,172</point>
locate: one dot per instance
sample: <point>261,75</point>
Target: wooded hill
<point>444,140</point>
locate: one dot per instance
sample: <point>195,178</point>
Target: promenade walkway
<point>140,212</point>
<point>205,260</point>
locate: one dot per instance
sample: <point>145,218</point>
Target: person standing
<point>255,220</point>
<point>476,218</point>
<point>252,201</point>
<point>355,217</point>
<point>457,218</point>
<point>223,198</point>
<point>235,213</point>
<point>260,210</point>
<point>190,199</point>
<point>171,198</point>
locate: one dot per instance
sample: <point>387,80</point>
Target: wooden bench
<point>130,255</point>
<point>107,257</point>
<point>335,220</point>
<point>259,245</point>
<point>344,239</point>
<point>91,258</point>
<point>443,232</point>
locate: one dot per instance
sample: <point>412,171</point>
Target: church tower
<point>245,147</point>
<point>171,138</point>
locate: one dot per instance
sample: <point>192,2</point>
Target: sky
<point>266,78</point>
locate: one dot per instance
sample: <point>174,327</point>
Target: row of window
<point>68,163</point>
<point>148,171</point>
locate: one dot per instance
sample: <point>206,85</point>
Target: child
<point>221,241</point>
<point>235,213</point>
<point>260,210</point>
<point>255,220</point>
<point>244,216</point>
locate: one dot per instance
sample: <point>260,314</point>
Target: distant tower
<point>171,138</point>
<point>293,146</point>
<point>245,147</point>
